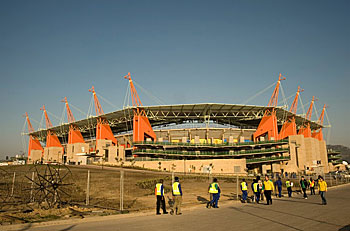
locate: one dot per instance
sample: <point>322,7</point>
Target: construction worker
<point>322,187</point>
<point>214,191</point>
<point>159,191</point>
<point>261,188</point>
<point>177,196</point>
<point>268,189</point>
<point>312,186</point>
<point>244,189</point>
<point>255,187</point>
<point>278,184</point>
<point>289,185</point>
<point>303,185</point>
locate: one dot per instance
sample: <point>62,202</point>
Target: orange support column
<point>318,134</point>
<point>305,128</point>
<point>52,141</point>
<point>74,135</point>
<point>142,128</point>
<point>268,124</point>
<point>289,128</point>
<point>34,143</point>
<point>103,130</point>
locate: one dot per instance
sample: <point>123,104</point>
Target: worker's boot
<point>208,205</point>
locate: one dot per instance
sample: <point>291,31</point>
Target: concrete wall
<point>324,156</point>
<point>223,166</point>
<point>121,153</point>
<point>102,146</point>
<point>112,154</point>
<point>73,149</point>
<point>307,154</point>
<point>35,156</point>
<point>53,154</point>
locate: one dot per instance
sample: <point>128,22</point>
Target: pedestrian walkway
<point>285,214</point>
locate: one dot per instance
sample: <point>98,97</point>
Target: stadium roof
<point>243,116</point>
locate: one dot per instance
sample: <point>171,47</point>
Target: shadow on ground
<point>202,200</point>
<point>345,228</point>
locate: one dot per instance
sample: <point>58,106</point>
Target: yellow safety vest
<point>312,183</point>
<point>176,190</point>
<point>213,189</point>
<point>255,187</point>
<point>244,186</point>
<point>287,183</point>
<point>159,191</point>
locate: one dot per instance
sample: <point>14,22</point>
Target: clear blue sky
<point>181,51</point>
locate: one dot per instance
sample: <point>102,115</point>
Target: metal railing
<point>200,153</point>
<point>213,145</point>
<point>257,160</point>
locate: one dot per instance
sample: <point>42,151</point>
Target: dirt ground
<point>104,190</point>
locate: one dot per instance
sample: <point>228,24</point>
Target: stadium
<point>196,138</point>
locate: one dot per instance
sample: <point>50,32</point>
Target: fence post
<point>13,183</point>
<point>121,190</point>
<point>31,188</point>
<point>336,180</point>
<point>184,166</point>
<point>237,187</point>
<point>88,188</point>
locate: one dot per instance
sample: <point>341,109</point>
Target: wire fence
<point>122,189</point>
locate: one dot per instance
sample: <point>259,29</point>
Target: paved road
<point>285,214</point>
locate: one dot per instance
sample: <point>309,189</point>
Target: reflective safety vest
<point>244,186</point>
<point>312,183</point>
<point>288,184</point>
<point>176,190</point>
<point>255,187</point>
<point>159,191</point>
<point>213,188</point>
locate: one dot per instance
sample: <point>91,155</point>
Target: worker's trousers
<point>304,191</point>
<point>323,197</point>
<point>289,189</point>
<point>312,189</point>
<point>257,197</point>
<point>177,204</point>
<point>244,195</point>
<point>214,202</point>
<point>161,202</point>
<point>279,191</point>
<point>268,196</point>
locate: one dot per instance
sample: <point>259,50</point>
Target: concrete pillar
<point>35,156</point>
<point>230,140</point>
<point>196,140</point>
<point>121,153</point>
<point>263,169</point>
<point>112,154</point>
<point>241,139</point>
<point>276,167</point>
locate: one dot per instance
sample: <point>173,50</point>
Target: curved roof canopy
<point>243,116</point>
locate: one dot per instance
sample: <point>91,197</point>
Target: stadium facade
<point>197,138</point>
